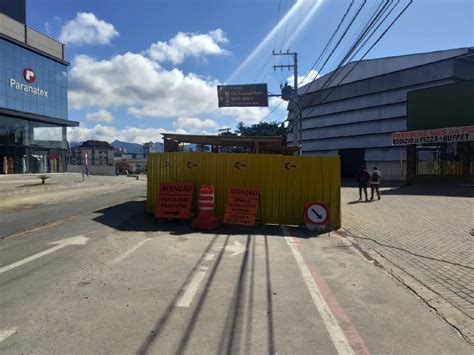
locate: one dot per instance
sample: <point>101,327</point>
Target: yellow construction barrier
<point>285,182</point>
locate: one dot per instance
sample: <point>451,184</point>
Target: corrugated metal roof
<point>375,67</point>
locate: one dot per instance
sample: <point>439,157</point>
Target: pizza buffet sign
<point>438,135</point>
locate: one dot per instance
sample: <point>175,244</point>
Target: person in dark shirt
<point>363,178</point>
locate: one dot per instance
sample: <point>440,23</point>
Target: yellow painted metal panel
<point>285,182</point>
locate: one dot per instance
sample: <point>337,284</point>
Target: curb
<point>38,174</point>
<point>48,188</point>
<point>445,310</point>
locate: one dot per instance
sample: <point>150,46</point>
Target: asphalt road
<point>123,285</point>
<point>22,213</point>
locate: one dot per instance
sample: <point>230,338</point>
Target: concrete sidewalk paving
<point>11,185</point>
<point>421,235</point>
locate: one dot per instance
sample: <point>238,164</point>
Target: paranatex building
<point>33,96</point>
<point>411,116</point>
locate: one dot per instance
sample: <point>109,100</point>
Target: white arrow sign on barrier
<point>79,240</point>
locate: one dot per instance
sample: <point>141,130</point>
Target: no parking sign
<point>316,213</point>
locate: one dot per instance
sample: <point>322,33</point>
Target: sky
<point>142,67</point>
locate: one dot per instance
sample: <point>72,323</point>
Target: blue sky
<point>139,68</point>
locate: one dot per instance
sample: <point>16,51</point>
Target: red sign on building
<point>174,200</point>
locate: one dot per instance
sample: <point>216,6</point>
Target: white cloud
<point>188,45</point>
<point>304,79</point>
<point>100,116</point>
<point>247,115</point>
<point>193,124</point>
<point>86,28</point>
<point>146,89</point>
<point>109,134</point>
<point>136,82</point>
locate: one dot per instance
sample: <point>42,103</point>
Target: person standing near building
<point>375,180</point>
<point>363,179</point>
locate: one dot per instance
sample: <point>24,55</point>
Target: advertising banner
<point>430,136</point>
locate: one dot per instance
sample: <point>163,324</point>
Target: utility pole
<point>297,127</point>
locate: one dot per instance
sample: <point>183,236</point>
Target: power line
<point>278,20</point>
<point>370,48</point>
<point>366,29</point>
<point>328,43</point>
<point>284,34</point>
<point>352,51</point>
<point>344,34</point>
<point>274,43</point>
<point>273,110</point>
<point>297,22</point>
<point>364,35</point>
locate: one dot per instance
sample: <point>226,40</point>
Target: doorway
<point>351,160</point>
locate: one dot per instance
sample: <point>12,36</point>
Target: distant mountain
<point>134,148</point>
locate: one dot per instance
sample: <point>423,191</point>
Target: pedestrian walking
<point>363,178</point>
<point>375,180</point>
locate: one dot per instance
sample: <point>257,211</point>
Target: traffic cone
<point>206,219</point>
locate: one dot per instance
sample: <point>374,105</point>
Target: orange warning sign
<point>174,200</point>
<point>241,205</point>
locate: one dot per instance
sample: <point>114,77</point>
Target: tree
<point>263,129</point>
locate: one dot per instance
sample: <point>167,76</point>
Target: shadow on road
<point>241,305</point>
<point>163,320</point>
<point>132,217</point>
<point>432,190</point>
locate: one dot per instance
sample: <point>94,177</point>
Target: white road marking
<point>79,240</point>
<point>129,252</point>
<point>209,257</point>
<point>189,290</point>
<point>4,334</point>
<point>337,335</point>
<point>235,249</point>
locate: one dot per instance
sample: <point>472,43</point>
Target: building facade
<point>148,148</point>
<point>93,152</point>
<point>352,112</point>
<point>33,99</point>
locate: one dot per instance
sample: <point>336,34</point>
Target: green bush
<point>43,178</point>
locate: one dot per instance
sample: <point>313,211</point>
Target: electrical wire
<point>375,20</point>
<point>328,43</point>
<point>369,25</point>
<point>370,48</point>
<point>284,34</point>
<point>297,22</point>
<point>354,17</point>
<point>273,110</point>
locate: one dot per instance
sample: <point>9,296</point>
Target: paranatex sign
<point>30,77</point>
<point>438,135</point>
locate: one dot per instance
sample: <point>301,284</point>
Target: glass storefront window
<point>47,135</point>
<point>442,159</point>
<point>31,146</point>
<point>12,131</point>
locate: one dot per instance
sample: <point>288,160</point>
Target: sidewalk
<point>421,235</point>
<point>11,185</point>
